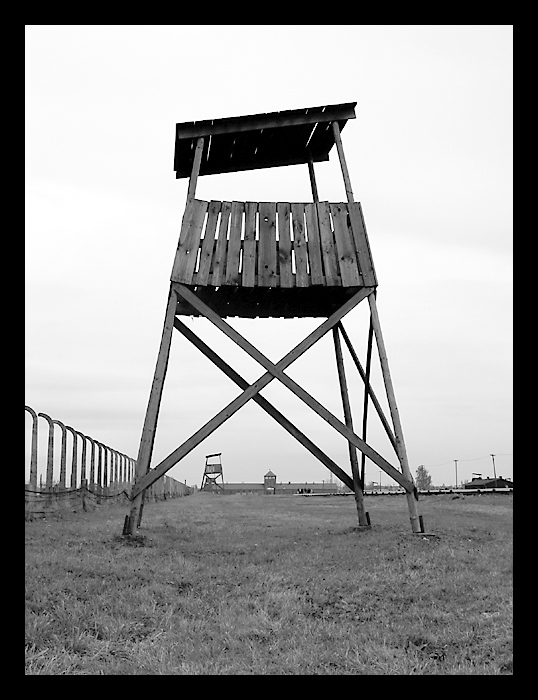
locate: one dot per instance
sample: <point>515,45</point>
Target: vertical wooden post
<point>152,413</point>
<point>359,496</point>
<point>50,452</point>
<point>195,169</point>
<point>412,497</point>
<point>313,184</point>
<point>366,394</point>
<point>343,164</point>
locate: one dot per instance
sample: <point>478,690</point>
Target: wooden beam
<point>357,488</point>
<point>269,120</point>
<point>412,496</point>
<point>229,410</point>
<point>313,184</point>
<point>147,438</point>
<point>365,401</point>
<point>195,169</point>
<point>343,164</point>
<point>277,371</point>
<point>263,403</point>
<point>376,403</point>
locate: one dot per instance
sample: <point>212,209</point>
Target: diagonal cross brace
<point>229,410</point>
<point>277,372</point>
<point>263,403</point>
<point>369,389</point>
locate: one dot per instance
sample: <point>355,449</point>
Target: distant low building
<point>271,487</point>
<point>489,483</point>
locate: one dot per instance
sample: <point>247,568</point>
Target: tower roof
<point>270,473</point>
<point>255,141</point>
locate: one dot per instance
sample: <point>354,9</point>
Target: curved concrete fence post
<point>122,469</point>
<point>50,451</point>
<point>106,450</point>
<point>92,460</point>
<point>33,450</point>
<point>116,468</point>
<point>99,473</point>
<point>63,453</point>
<point>83,458</point>
<point>74,460</point>
<point>111,468</point>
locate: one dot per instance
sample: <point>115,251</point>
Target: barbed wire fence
<point>104,475</point>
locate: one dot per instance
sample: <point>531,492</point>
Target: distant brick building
<point>271,487</point>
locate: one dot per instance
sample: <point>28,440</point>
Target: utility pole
<point>494,473</point>
<point>456,463</point>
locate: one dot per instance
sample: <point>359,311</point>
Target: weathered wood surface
<point>273,244</point>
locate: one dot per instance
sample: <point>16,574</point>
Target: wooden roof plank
<point>314,245</point>
<point>267,269</point>
<point>302,278</point>
<point>219,257</point>
<point>259,141</point>
<point>284,245</point>
<point>208,243</point>
<point>189,239</point>
<point>268,120</point>
<point>347,259</point>
<point>233,257</point>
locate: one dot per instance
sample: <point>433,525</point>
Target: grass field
<point>282,585</point>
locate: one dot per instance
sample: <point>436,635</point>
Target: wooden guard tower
<point>273,259</point>
<point>212,471</point>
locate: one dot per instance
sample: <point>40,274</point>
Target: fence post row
<point>108,472</point>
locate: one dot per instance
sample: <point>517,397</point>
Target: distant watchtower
<point>269,482</point>
<point>273,260</point>
<point>212,471</point>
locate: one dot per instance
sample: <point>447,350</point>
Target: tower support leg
<point>357,487</point>
<point>412,496</point>
<point>147,438</point>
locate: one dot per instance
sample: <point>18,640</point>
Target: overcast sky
<point>430,160</point>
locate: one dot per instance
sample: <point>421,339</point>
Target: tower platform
<point>272,259</point>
